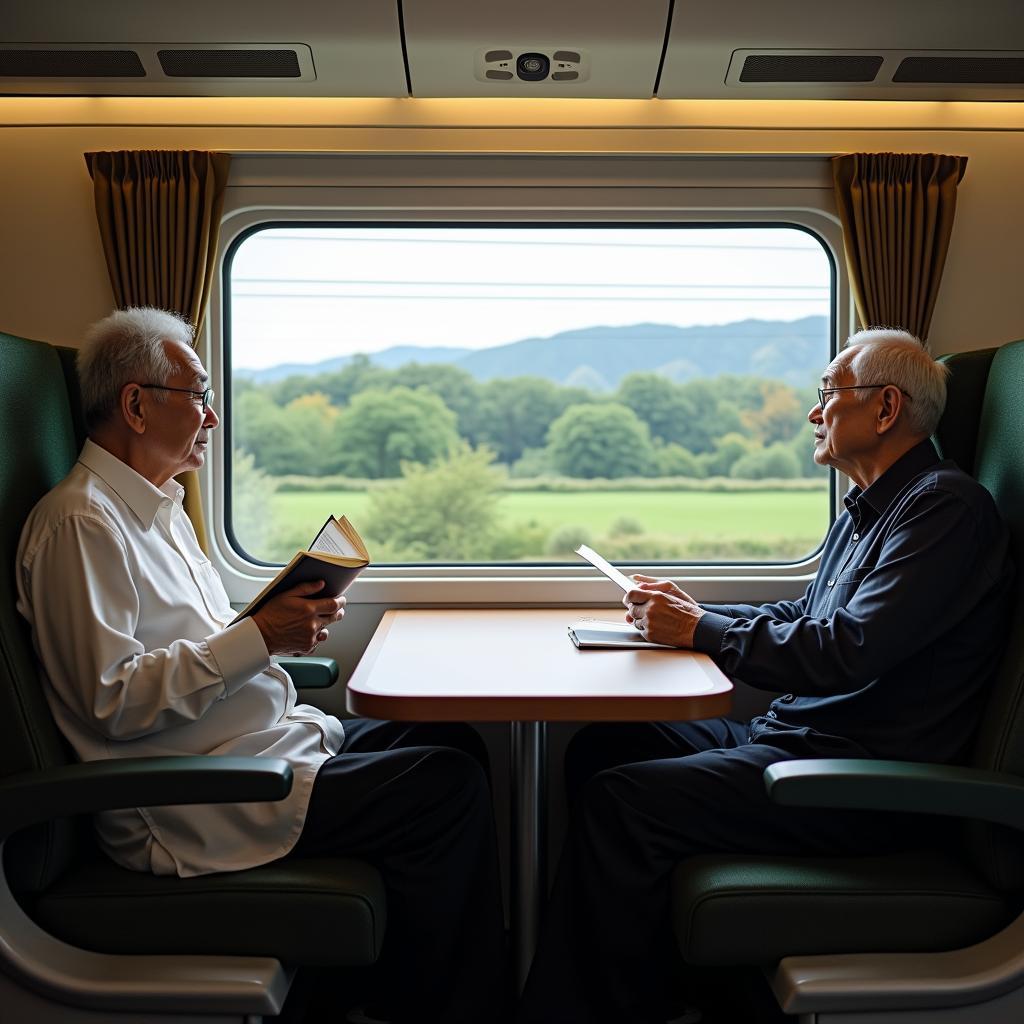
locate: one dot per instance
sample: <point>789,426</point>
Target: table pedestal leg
<point>529,841</point>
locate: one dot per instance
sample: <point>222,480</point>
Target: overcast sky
<point>304,294</point>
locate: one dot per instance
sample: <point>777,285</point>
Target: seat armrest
<point>898,786</point>
<point>92,786</point>
<point>311,673</point>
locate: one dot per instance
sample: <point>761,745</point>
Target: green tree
<point>458,389</point>
<point>779,416</point>
<point>444,512</point>
<point>605,440</point>
<point>675,460</point>
<point>517,412</point>
<point>266,431</point>
<point>714,414</point>
<point>251,489</point>
<point>776,462</point>
<point>728,449</point>
<point>357,375</point>
<point>660,404</point>
<point>379,430</point>
<point>310,420</point>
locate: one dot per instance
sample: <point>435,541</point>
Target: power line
<point>646,337</point>
<point>267,235</point>
<point>520,284</point>
<point>526,298</point>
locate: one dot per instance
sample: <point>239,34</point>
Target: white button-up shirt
<point>130,623</point>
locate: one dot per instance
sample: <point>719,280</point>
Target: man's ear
<point>889,408</point>
<point>132,408</point>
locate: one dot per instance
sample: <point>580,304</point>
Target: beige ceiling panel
<point>534,48</point>
<point>338,48</point>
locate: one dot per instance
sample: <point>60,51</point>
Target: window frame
<point>734,192</point>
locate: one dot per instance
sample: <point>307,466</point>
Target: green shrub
<point>519,541</point>
<point>533,463</point>
<point>626,526</point>
<point>443,512</point>
<point>675,460</point>
<point>295,483</point>
<point>715,484</point>
<point>601,440</point>
<point>251,489</point>
<point>566,539</point>
<point>776,462</point>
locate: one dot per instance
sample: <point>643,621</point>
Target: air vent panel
<point>357,45</point>
<point>826,67</point>
<point>709,43</point>
<point>25,63</point>
<point>211,63</point>
<point>961,70</point>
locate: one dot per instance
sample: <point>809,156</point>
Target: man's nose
<point>211,419</point>
<point>814,415</point>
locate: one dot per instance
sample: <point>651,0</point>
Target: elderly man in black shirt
<point>887,654</point>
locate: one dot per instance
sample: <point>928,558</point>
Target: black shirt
<point>891,648</point>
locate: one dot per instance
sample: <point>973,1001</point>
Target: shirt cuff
<point>240,653</point>
<point>710,632</point>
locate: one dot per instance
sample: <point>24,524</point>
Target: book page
<point>620,579</point>
<point>331,540</point>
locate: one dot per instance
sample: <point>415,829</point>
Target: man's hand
<point>294,622</point>
<point>662,612</point>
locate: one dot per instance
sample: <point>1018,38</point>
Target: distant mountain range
<point>793,351</point>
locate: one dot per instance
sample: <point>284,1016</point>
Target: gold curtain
<point>159,219</point>
<point>897,214</point>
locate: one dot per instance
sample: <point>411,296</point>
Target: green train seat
<point>82,939</point>
<point>921,937</point>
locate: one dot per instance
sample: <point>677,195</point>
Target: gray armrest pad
<point>311,673</point>
<point>93,786</point>
<point>898,786</point>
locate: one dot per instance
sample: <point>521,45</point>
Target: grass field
<point>764,514</point>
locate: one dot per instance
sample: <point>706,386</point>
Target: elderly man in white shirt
<point>132,626</point>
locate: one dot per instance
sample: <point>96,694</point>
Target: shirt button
<point>856,536</point>
<point>787,699</point>
<point>830,582</point>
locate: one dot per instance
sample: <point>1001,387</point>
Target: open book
<point>337,556</point>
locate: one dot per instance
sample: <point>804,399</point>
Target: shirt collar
<point>872,502</point>
<point>143,497</point>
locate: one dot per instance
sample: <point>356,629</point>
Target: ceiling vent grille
<point>788,67</point>
<point>22,63</point>
<point>964,70</point>
<point>209,63</point>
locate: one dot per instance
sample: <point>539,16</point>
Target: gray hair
<point>123,348</point>
<point>892,356</point>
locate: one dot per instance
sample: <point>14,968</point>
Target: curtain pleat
<point>897,213</point>
<point>159,219</point>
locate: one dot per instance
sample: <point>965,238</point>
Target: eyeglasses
<point>822,392</point>
<point>205,397</point>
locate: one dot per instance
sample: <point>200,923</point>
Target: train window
<point>492,393</point>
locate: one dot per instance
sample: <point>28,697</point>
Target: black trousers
<point>643,796</point>
<point>413,799</point>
